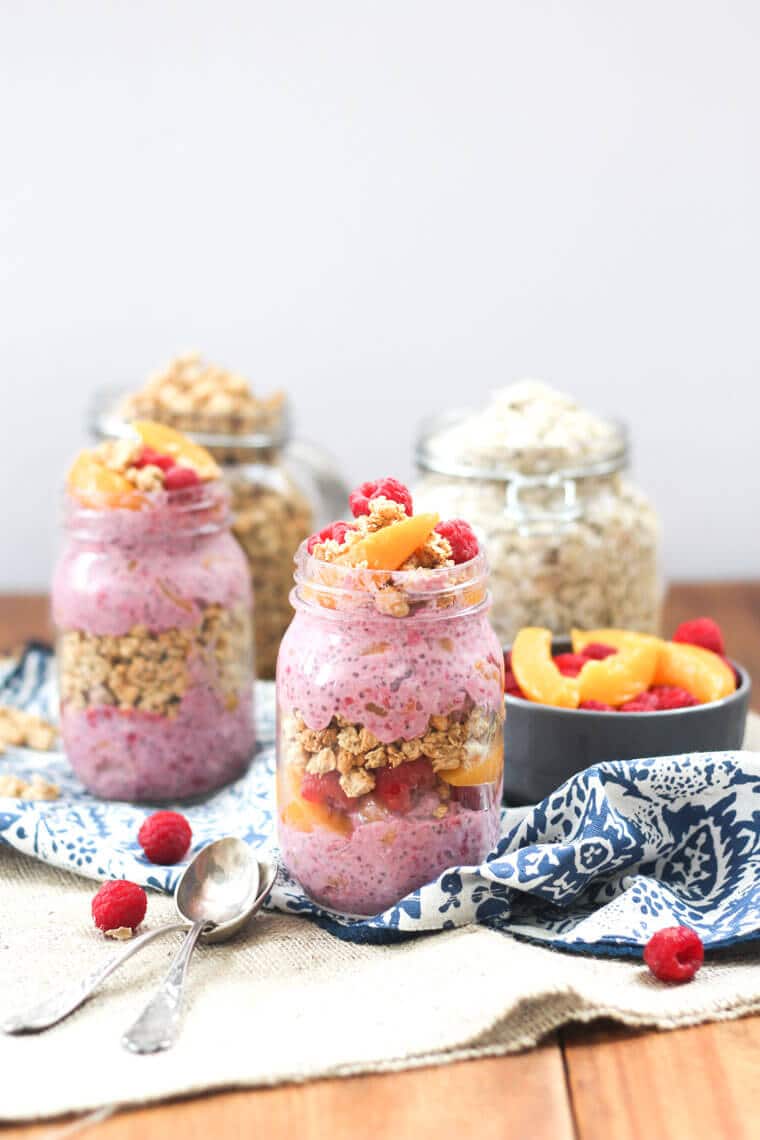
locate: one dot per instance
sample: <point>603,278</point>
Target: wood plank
<point>686,1084</point>
<point>523,1096</point>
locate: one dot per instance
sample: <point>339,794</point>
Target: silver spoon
<point>52,1010</point>
<point>220,890</point>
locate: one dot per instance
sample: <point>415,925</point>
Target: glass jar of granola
<point>390,711</point>
<point>280,488</point>
<point>151,602</point>
<point>570,540</point>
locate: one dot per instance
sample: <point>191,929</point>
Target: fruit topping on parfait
<point>389,683</point>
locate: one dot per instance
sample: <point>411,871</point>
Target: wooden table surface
<point>592,1083</point>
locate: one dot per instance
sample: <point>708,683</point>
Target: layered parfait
<point>390,705</point>
<point>151,600</point>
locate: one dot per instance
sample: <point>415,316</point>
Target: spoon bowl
<point>219,888</point>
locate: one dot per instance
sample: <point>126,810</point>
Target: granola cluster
<point>16,787</point>
<point>153,671</point>
<point>21,729</point>
<point>193,395</point>
<point>355,752</point>
<point>270,524</point>
<point>596,565</point>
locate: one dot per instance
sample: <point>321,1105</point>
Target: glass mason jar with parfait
<point>151,602</point>
<point>570,539</point>
<point>280,488</point>
<point>390,710</point>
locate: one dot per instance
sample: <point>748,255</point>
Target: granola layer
<point>152,671</point>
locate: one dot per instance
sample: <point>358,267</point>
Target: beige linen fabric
<point>288,1002</point>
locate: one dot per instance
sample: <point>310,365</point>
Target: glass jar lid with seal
<point>281,489</point>
<point>570,539</point>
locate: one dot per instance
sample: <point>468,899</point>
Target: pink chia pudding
<point>390,710</point>
<point>153,610</point>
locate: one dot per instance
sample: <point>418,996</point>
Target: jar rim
<point>429,459</point>
<point>341,590</point>
<point>108,421</point>
<point>203,508</point>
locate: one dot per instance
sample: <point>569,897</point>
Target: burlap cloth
<point>286,1001</point>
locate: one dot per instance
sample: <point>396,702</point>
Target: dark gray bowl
<point>544,746</point>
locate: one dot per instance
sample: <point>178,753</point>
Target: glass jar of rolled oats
<point>151,602</point>
<point>390,746</point>
<point>281,489</point>
<point>570,539</point>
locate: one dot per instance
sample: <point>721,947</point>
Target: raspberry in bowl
<point>151,601</point>
<point>613,694</point>
<point>389,694</point>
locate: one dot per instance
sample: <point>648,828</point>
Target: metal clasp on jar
<point>531,519</point>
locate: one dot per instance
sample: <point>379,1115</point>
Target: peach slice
<point>94,485</point>
<point>389,548</point>
<point>301,814</point>
<point>617,638</point>
<point>484,768</point>
<point>622,677</point>
<point>168,441</point>
<point>700,671</point>
<point>537,675</point>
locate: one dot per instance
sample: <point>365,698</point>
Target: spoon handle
<point>156,1027</point>
<point>60,1005</point>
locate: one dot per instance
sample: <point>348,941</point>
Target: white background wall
<point>388,208</point>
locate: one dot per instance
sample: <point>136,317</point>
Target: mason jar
<point>389,737</point>
<point>571,541</point>
<point>281,490</point>
<point>152,610</point>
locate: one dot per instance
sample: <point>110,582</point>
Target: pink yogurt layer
<point>388,675</point>
<point>383,860</point>
<point>149,758</point>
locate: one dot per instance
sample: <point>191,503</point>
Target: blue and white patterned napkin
<point>617,852</point>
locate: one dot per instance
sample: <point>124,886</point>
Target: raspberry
<point>673,697</point>
<point>119,903</point>
<point>388,488</point>
<point>674,954</point>
<point>154,458</point>
<point>595,651</point>
<point>395,785</point>
<point>702,631</point>
<point>325,789</point>
<point>336,531</point>
<point>165,837</point>
<point>596,706</point>
<point>570,664</point>
<point>178,477</point>
<point>464,544</point>
<point>644,702</point>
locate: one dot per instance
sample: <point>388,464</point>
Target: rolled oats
<point>24,730</point>
<point>596,564</point>
<point>35,789</point>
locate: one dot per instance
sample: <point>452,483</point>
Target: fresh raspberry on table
<point>178,477</point>
<point>165,837</point>
<point>673,697</point>
<point>570,664</point>
<point>702,631</point>
<point>595,651</point>
<point>461,538</point>
<point>644,702</point>
<point>596,706</point>
<point>394,786</point>
<point>674,954</point>
<point>336,531</point>
<point>119,903</point>
<point>387,488</point>
<point>326,790</point>
<point>149,456</point>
